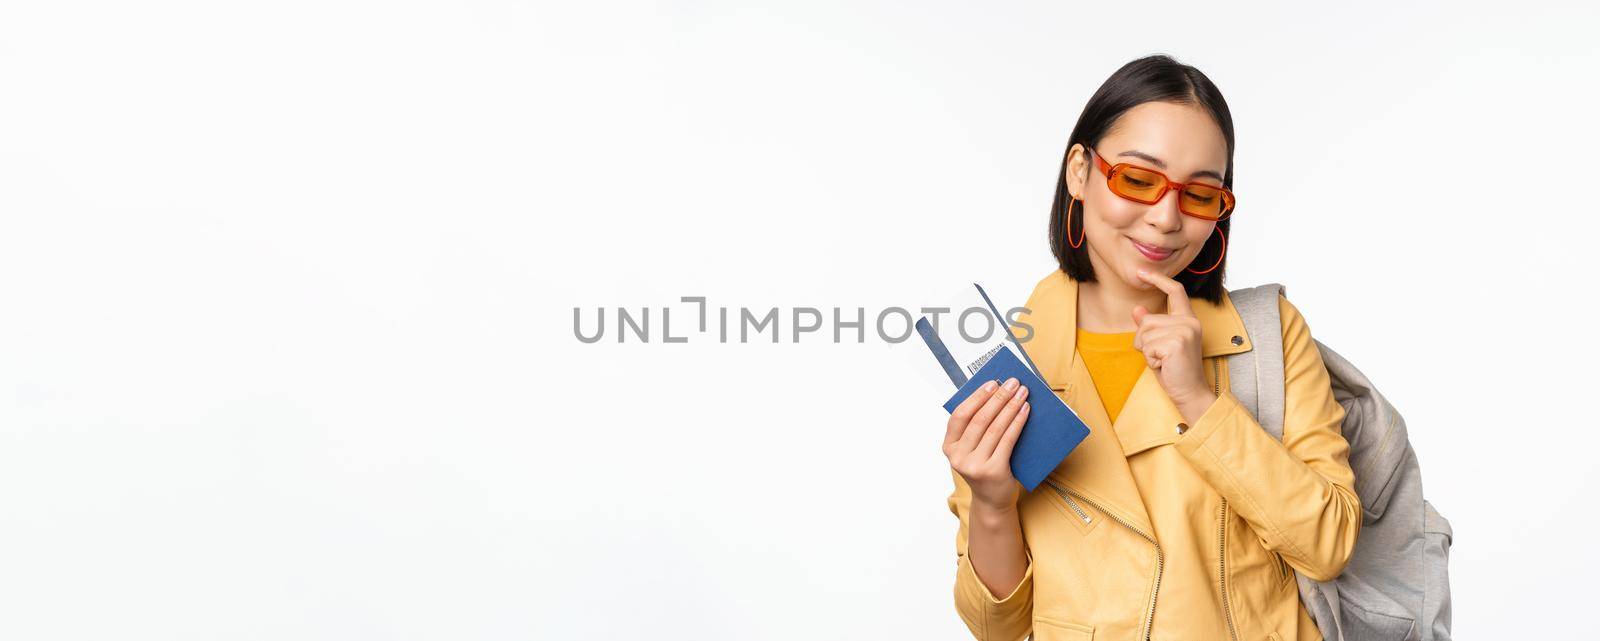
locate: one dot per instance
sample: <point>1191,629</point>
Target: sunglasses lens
<point>1138,184</point>
<point>1207,201</point>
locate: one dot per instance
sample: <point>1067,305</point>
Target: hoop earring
<point>1067,228</point>
<point>1224,238</point>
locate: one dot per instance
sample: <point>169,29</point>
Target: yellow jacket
<point>1154,529</point>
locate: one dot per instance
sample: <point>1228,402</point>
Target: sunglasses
<point>1148,186</point>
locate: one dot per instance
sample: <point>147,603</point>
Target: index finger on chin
<point>1177,298</point>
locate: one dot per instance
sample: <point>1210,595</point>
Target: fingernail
<point>1011,384</point>
<point>1022,392</point>
<point>988,387</point>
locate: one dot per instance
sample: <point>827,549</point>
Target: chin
<point>1133,274</point>
<point>1141,263</point>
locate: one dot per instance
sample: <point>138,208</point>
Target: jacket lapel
<point>1098,468</point>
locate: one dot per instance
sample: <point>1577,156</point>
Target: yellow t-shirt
<point>1114,364</point>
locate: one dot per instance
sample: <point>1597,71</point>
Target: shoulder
<point>1289,316</point>
<point>1053,283</point>
<point>1294,322</point>
<point>1295,331</point>
<point>1049,291</point>
<point>1299,346</point>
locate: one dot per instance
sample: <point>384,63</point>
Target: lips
<point>1150,251</point>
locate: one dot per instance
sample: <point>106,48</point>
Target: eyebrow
<point>1158,162</point>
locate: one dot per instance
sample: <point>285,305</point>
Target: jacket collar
<point>1098,468</point>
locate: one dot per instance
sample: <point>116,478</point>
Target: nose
<point>1165,215</point>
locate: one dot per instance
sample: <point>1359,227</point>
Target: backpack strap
<point>1256,377</point>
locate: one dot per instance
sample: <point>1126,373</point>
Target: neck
<point>1107,305</point>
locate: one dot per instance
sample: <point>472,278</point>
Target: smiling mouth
<point>1152,252</point>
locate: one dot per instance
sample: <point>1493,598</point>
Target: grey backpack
<point>1396,585</point>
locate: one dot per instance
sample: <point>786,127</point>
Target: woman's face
<point>1180,141</point>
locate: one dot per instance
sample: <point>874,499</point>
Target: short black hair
<point>1155,78</point>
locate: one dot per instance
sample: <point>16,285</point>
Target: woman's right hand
<point>979,437</point>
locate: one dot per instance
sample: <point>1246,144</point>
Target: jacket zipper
<point>1161,557</point>
<point>1222,524</point>
<point>1222,553</point>
<point>1072,504</point>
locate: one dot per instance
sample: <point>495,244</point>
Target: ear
<point>1077,170</point>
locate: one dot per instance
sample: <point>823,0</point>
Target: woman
<point>1178,517</point>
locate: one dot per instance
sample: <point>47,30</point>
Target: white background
<point>287,349</point>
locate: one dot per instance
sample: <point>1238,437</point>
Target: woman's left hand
<point>1171,346</point>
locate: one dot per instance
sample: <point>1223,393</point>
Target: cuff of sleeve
<point>972,573</point>
<point>1209,422</point>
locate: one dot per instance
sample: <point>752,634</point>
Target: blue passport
<point>1053,430</point>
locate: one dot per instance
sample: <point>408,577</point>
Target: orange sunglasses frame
<point>1111,171</point>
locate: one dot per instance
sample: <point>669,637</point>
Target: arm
<point>994,537</point>
<point>1297,495</point>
